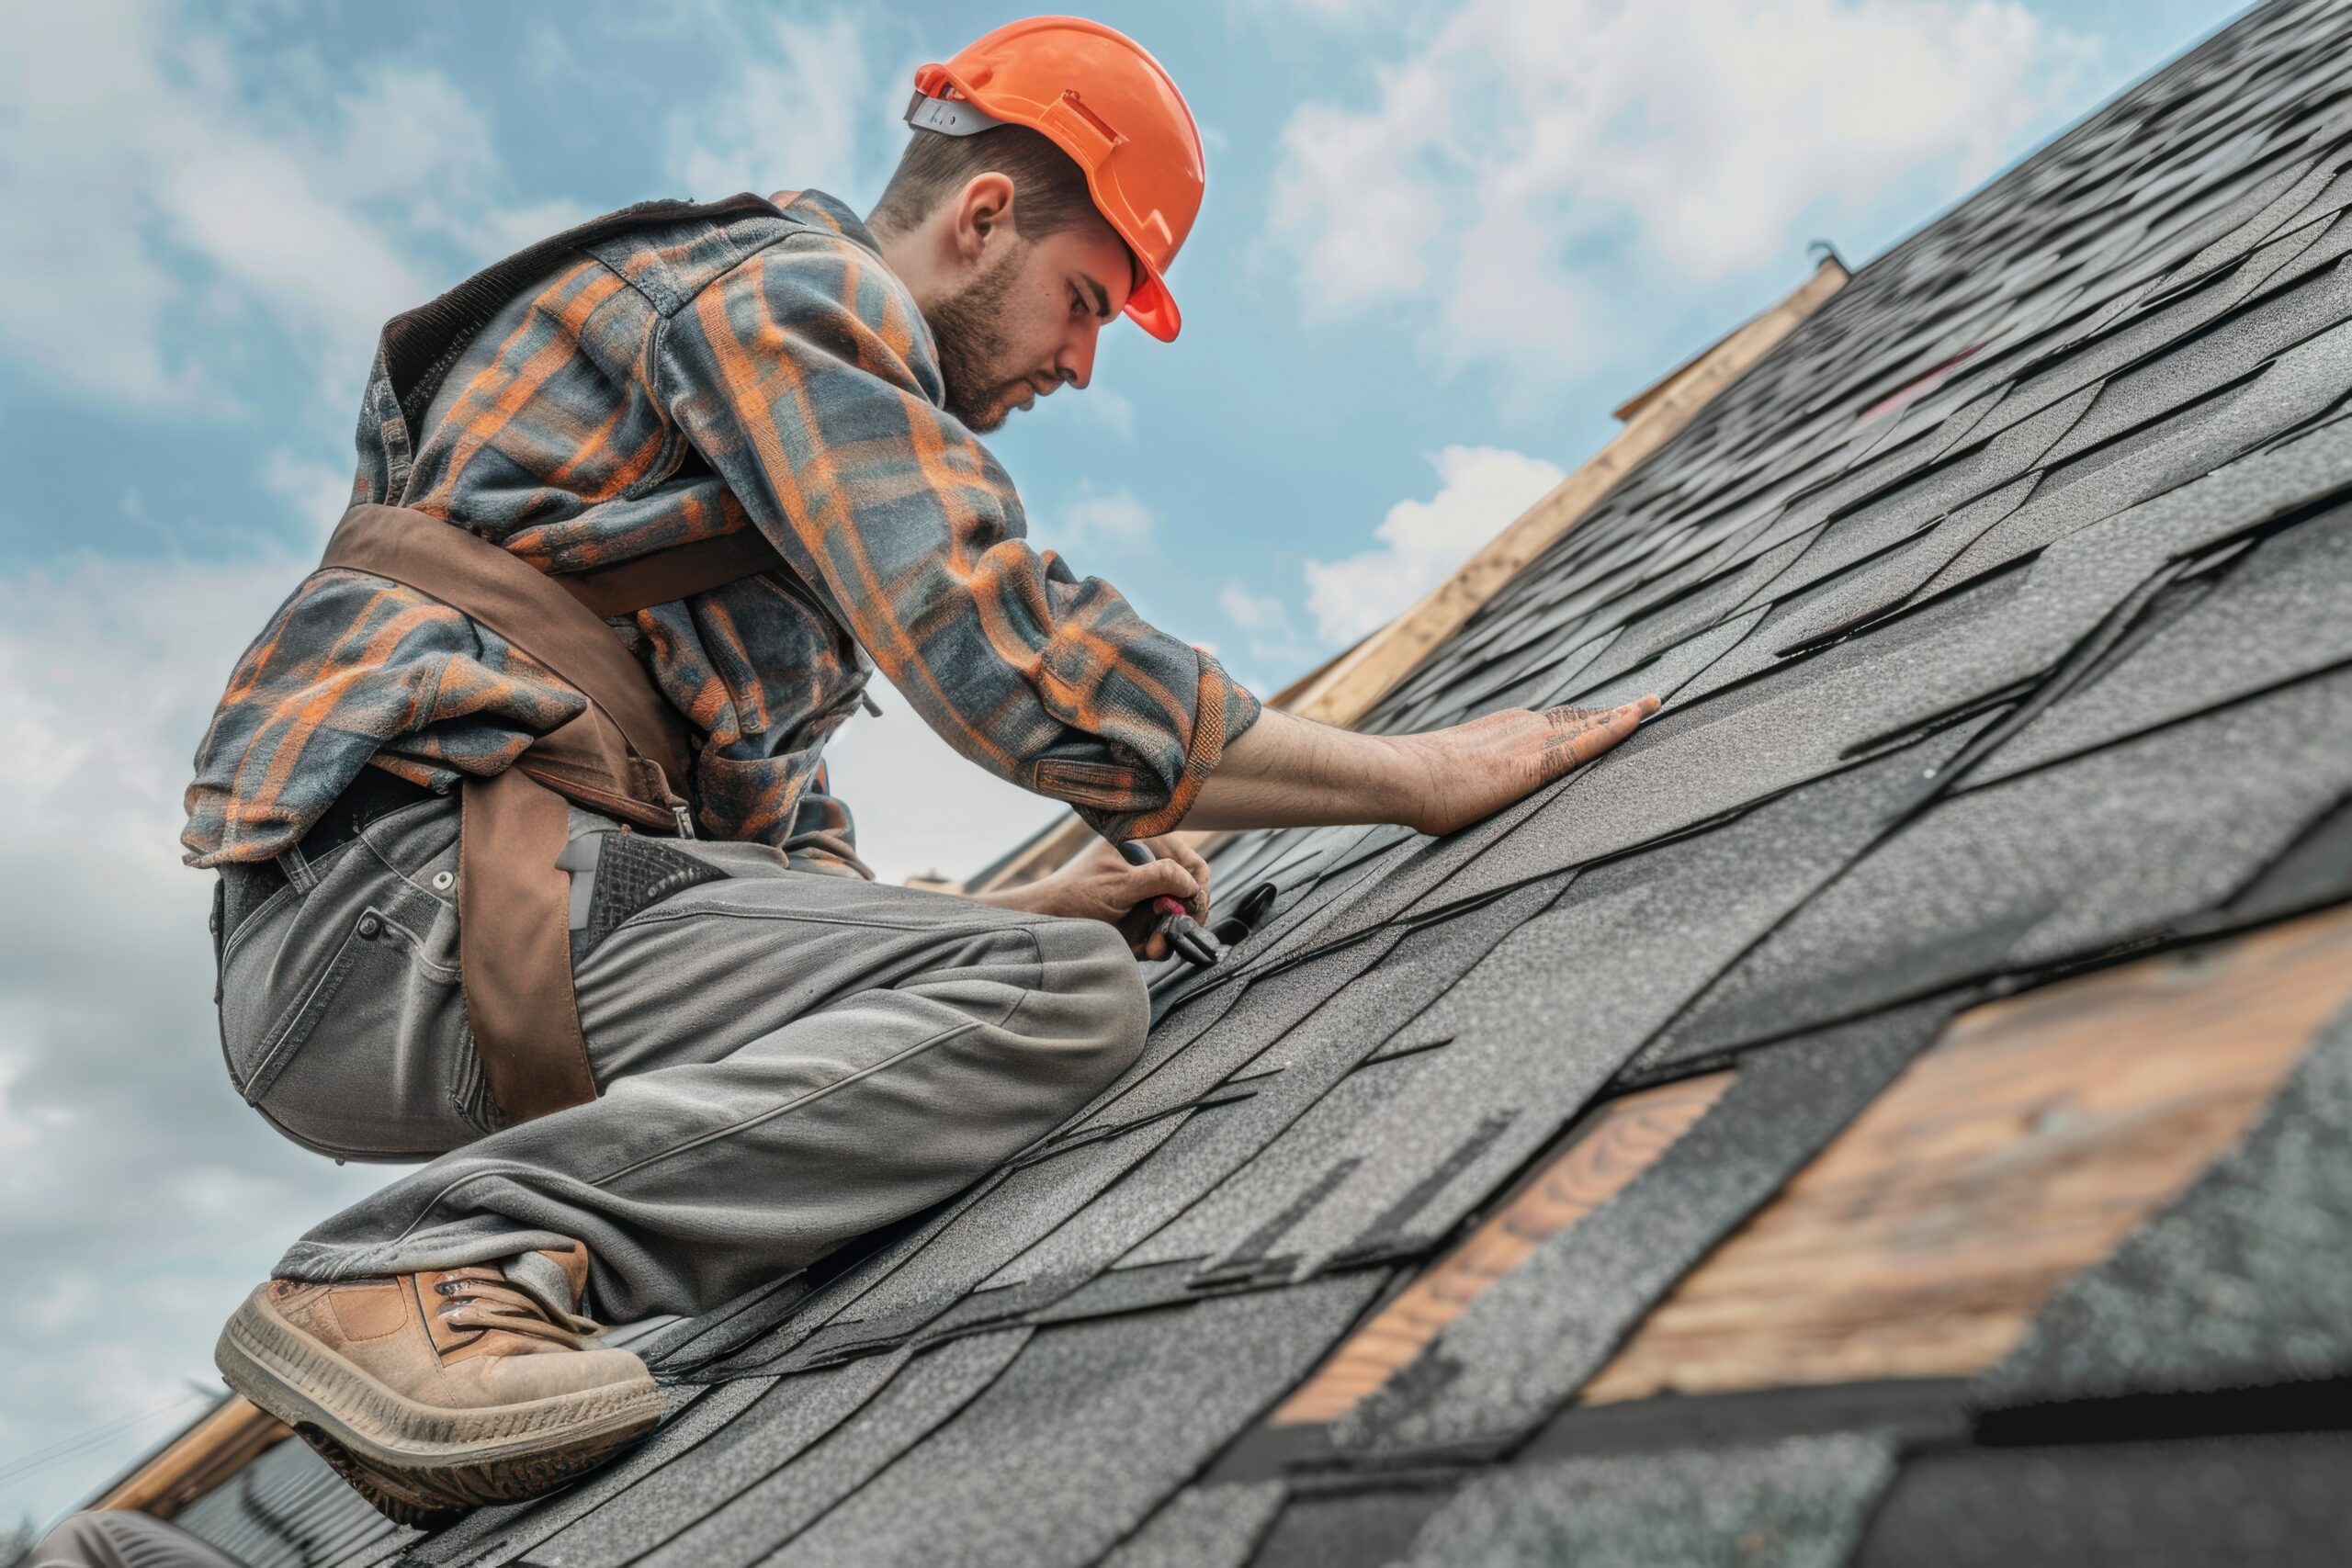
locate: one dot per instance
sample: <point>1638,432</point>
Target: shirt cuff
<point>1224,710</point>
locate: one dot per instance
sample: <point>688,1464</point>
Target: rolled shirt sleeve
<point>806,379</point>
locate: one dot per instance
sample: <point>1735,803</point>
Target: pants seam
<point>606,1180</point>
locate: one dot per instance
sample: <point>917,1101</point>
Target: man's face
<point>1027,321</point>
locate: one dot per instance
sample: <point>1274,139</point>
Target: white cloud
<point>1111,521</point>
<point>1519,142</point>
<point>799,109</point>
<point>1108,408</point>
<point>130,1172</point>
<point>920,805</point>
<point>316,492</point>
<point>1268,632</point>
<point>164,180</point>
<point>1253,612</point>
<point>1481,489</point>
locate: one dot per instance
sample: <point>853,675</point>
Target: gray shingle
<point>1090,1429</point>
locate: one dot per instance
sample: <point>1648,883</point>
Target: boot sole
<point>417,1463</point>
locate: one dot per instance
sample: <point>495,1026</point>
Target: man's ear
<point>983,213</point>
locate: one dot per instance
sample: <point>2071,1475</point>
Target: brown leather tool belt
<point>628,755</point>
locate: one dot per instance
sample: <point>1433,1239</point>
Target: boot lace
<point>491,1301</point>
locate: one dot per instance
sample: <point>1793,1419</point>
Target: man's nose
<point>1075,363</point>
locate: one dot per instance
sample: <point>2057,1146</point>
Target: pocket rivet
<point>370,928</point>
<point>443,880</point>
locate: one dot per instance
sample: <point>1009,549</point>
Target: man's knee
<point>1101,1009</point>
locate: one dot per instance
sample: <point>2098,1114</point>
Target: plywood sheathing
<point>2023,1147</point>
<point>1626,1139</point>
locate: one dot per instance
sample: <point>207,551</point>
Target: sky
<point>1441,240</point>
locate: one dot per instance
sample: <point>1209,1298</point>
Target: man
<point>736,443</point>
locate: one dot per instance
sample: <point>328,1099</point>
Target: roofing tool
<point>1184,934</point>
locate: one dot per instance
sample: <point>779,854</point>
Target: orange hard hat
<point>1095,94</point>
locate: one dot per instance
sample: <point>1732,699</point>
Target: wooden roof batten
<point>1345,689</point>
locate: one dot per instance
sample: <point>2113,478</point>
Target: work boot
<point>434,1392</point>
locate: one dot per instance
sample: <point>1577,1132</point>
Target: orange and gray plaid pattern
<point>685,379</point>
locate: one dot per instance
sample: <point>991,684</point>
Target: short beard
<point>971,349</point>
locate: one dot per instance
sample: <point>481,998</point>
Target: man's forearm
<point>1291,773</point>
<point>1286,772</point>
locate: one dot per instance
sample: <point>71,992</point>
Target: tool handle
<point>1175,920</point>
<point>1135,854</point>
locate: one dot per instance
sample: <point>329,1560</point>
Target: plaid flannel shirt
<point>681,381</point>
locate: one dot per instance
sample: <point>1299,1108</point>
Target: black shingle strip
<point>928,1393</point>
<point>2242,1280</point>
<point>1085,1434</point>
<point>2054,866</point>
<point>1268,1010</point>
<point>1800,722</point>
<point>1665,676</point>
<point>1524,1347</point>
<point>993,1230</point>
<point>1799,1503</point>
<point>2274,208</point>
<point>2282,611</point>
<point>1917,1412</point>
<point>1203,1527</point>
<point>2300,385</point>
<point>1351,1530</point>
<point>1287,1171</point>
<point>696,1341</point>
<point>1707,603</point>
<point>2281,1502</point>
<point>734,1435</point>
<point>1318,1053</point>
<point>2313,871</point>
<point>2212,356</point>
<point>1553,1013</point>
<point>2088,570</point>
<point>1836,607</point>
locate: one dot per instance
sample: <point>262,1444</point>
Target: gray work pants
<point>787,1059</point>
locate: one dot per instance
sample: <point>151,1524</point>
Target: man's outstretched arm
<point>1286,772</point>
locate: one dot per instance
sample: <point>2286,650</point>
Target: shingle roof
<point>2041,670</point>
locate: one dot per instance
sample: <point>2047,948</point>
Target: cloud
<point>1523,157</point>
<point>922,807</point>
<point>799,108</point>
<point>1269,633</point>
<point>315,491</point>
<point>1481,489</point>
<point>132,1180</point>
<point>1110,521</point>
<point>1253,612</point>
<point>171,187</point>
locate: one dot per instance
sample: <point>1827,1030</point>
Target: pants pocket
<point>375,1062</point>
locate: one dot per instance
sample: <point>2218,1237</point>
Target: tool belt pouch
<point>627,755</point>
<point>515,946</point>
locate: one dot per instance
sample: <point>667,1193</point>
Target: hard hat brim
<point>1153,309</point>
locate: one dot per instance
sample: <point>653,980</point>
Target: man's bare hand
<point>1475,770</point>
<point>1097,883</point>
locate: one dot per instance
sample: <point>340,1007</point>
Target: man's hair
<point>1050,191</point>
